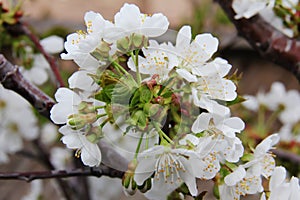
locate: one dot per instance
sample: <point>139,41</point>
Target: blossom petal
<point>235,176</point>
<point>144,170</point>
<point>53,44</point>
<point>201,123</point>
<point>184,37</point>
<point>155,25</point>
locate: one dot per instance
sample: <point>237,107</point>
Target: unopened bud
<point>101,52</point>
<point>139,41</point>
<point>95,134</point>
<point>123,44</point>
<point>85,107</point>
<point>78,121</point>
<point>128,182</point>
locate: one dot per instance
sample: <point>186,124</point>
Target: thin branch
<point>50,59</point>
<point>11,78</point>
<point>30,176</point>
<point>268,41</point>
<point>45,160</point>
<point>285,155</point>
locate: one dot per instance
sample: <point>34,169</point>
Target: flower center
<point>169,167</point>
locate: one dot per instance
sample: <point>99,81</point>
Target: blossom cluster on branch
<point>165,107</point>
<point>169,102</point>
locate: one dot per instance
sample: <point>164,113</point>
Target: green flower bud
<point>85,107</point>
<point>101,52</point>
<point>123,44</point>
<point>78,121</point>
<point>139,41</point>
<point>128,182</point>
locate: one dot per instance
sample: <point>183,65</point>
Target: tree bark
<point>269,42</point>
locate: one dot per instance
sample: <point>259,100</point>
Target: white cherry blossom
<point>280,188</point>
<point>240,183</point>
<point>222,130</point>
<point>263,162</point>
<point>130,20</point>
<point>68,102</point>
<point>39,72</point>
<point>193,53</point>
<point>249,8</point>
<point>17,121</point>
<point>79,45</point>
<point>158,60</point>
<point>170,166</point>
<point>89,152</point>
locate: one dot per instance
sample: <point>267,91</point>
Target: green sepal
<point>238,99</point>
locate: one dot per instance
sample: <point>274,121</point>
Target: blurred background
<point>61,17</point>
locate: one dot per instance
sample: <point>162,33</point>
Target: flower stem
<point>162,134</point>
<point>99,107</point>
<point>135,58</point>
<point>138,146</point>
<point>104,122</point>
<point>272,118</point>
<point>102,115</point>
<point>118,66</point>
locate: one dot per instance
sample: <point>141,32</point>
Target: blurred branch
<point>102,170</point>
<point>289,156</point>
<point>268,41</point>
<point>22,28</point>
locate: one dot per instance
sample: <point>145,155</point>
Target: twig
<point>268,41</point>
<point>11,78</point>
<point>293,158</point>
<point>47,56</point>
<point>45,160</point>
<point>30,176</point>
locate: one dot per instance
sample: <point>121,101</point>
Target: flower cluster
<point>283,15</point>
<point>13,128</point>
<point>164,106</point>
<point>34,64</point>
<point>284,107</point>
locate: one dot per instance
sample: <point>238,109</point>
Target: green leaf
<point>135,98</point>
<point>145,94</point>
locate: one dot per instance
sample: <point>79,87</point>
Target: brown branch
<point>11,78</point>
<point>268,41</point>
<point>30,176</point>
<point>286,155</point>
<point>47,56</point>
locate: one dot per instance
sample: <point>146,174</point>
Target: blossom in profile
<point>88,151</point>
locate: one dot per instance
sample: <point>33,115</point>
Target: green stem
<point>118,66</point>
<point>162,134</point>
<point>99,107</point>
<point>138,146</point>
<point>104,122</point>
<point>136,63</point>
<point>272,118</point>
<point>167,85</point>
<point>102,115</point>
<point>261,120</point>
